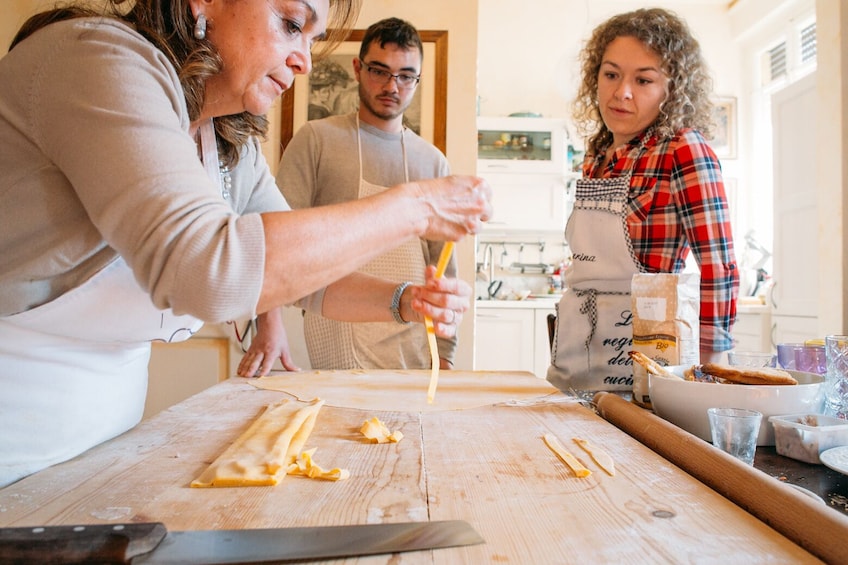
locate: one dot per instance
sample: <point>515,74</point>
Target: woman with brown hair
<point>138,204</point>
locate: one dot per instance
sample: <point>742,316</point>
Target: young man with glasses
<point>346,157</point>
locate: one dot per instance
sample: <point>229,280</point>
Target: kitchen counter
<point>829,485</point>
<point>534,303</point>
<point>752,308</point>
<point>550,302</point>
<point>483,463</point>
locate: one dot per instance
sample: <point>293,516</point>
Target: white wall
<point>832,157</point>
<point>528,58</point>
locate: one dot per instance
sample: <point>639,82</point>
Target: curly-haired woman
<point>651,190</point>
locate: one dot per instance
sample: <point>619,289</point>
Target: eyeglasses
<point>382,76</point>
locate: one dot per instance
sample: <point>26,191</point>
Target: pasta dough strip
<point>261,455</point>
<point>444,256</point>
<point>600,456</point>
<point>566,457</point>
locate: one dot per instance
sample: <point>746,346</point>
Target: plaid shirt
<point>677,202</point>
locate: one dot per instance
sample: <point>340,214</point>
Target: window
<point>808,43</point>
<point>777,62</point>
<point>792,57</point>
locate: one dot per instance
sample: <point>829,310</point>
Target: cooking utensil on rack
<point>494,289</point>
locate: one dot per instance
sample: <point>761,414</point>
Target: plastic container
<point>804,436</point>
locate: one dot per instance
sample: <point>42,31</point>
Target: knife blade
<point>151,543</point>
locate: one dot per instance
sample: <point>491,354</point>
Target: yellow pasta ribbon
<point>444,257</point>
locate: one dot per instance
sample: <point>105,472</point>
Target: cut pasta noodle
<point>566,457</point>
<point>444,256</point>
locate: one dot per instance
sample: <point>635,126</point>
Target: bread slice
<point>651,366</point>
<point>749,375</point>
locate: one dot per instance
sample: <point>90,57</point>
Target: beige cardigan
<point>96,160</point>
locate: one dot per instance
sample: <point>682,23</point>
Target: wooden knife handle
<point>98,543</point>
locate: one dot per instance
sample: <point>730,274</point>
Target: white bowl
<point>685,403</point>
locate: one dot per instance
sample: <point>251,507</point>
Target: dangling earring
<point>200,27</point>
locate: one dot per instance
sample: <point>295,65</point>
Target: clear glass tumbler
<point>751,359</point>
<point>836,385</point>
<point>735,431</point>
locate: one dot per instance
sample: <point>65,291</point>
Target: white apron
<point>73,371</point>
<point>373,345</point>
<point>593,331</point>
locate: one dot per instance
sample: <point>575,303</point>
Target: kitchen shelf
<point>528,153</point>
<point>521,145</point>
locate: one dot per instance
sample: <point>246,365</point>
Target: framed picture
<point>331,89</point>
<point>724,136</point>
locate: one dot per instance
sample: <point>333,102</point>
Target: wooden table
<point>487,465</point>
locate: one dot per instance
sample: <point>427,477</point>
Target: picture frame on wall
<point>331,89</point>
<point>723,141</point>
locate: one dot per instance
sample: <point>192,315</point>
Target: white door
<point>796,255</point>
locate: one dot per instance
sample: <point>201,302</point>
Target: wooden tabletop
<point>487,465</point>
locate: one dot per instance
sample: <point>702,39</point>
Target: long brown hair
<point>169,25</point>
<point>689,84</point>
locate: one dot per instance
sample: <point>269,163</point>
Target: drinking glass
<point>735,431</point>
<point>786,354</point>
<point>751,359</point>
<point>812,359</point>
<point>836,379</point>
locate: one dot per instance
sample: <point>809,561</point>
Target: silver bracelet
<point>395,307</point>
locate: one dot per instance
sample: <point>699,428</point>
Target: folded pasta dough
<point>262,454</point>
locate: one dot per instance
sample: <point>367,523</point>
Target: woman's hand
<point>445,300</point>
<point>459,205</point>
<point>270,343</point>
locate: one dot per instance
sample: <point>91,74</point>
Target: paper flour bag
<point>666,323</point>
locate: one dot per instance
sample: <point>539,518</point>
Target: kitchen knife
<point>151,543</point>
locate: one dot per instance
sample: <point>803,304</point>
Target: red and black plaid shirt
<point>677,202</point>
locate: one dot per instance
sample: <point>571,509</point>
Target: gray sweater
<point>320,166</point>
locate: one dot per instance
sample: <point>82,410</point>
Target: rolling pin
<point>810,524</point>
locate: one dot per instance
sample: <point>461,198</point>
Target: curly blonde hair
<point>687,104</point>
<point>169,25</point>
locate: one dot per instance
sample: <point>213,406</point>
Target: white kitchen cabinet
<point>524,203</point>
<point>541,341</point>
<point>504,340</point>
<point>794,329</point>
<point>753,329</point>
<point>512,336</point>
<point>527,163</point>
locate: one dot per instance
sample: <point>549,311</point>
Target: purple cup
<point>786,353</point>
<point>811,359</point>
